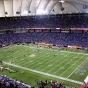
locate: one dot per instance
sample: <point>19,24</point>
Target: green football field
<point>40,61</point>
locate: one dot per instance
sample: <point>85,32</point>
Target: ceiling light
<point>41,11</point>
<point>62,1</point>
<point>25,12</point>
<point>85,6</point>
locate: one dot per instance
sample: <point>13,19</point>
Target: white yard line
<point>46,74</point>
<point>34,63</point>
<point>59,63</point>
<point>71,66</point>
<point>30,59</point>
<point>64,65</point>
<point>43,60</point>
<point>77,68</point>
<point>7,57</point>
<point>48,62</point>
<point>54,61</point>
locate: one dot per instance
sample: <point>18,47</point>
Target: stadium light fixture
<point>25,12</point>
<point>62,1</point>
<point>41,11</point>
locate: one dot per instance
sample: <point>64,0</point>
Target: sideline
<point>75,52</point>
<point>61,50</point>
<point>50,75</point>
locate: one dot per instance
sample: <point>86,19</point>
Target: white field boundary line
<point>28,62</point>
<point>62,51</point>
<point>54,62</point>
<point>54,50</point>
<point>60,63</point>
<point>77,67</point>
<point>71,66</point>
<point>64,65</point>
<point>46,74</point>
<point>74,52</point>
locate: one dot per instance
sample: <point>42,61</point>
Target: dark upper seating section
<point>44,22</point>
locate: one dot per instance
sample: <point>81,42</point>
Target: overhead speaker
<point>62,8</point>
<point>53,10</point>
<point>17,12</point>
<point>85,6</point>
<point>29,11</point>
<point>6,13</point>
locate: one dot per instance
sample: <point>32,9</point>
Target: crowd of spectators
<point>50,84</point>
<point>55,38</point>
<point>6,82</point>
<point>44,22</point>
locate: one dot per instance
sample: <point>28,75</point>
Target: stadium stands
<point>54,38</point>
<point>45,22</point>
<point>6,82</point>
<point>57,39</point>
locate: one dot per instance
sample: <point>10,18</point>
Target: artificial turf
<point>52,61</point>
